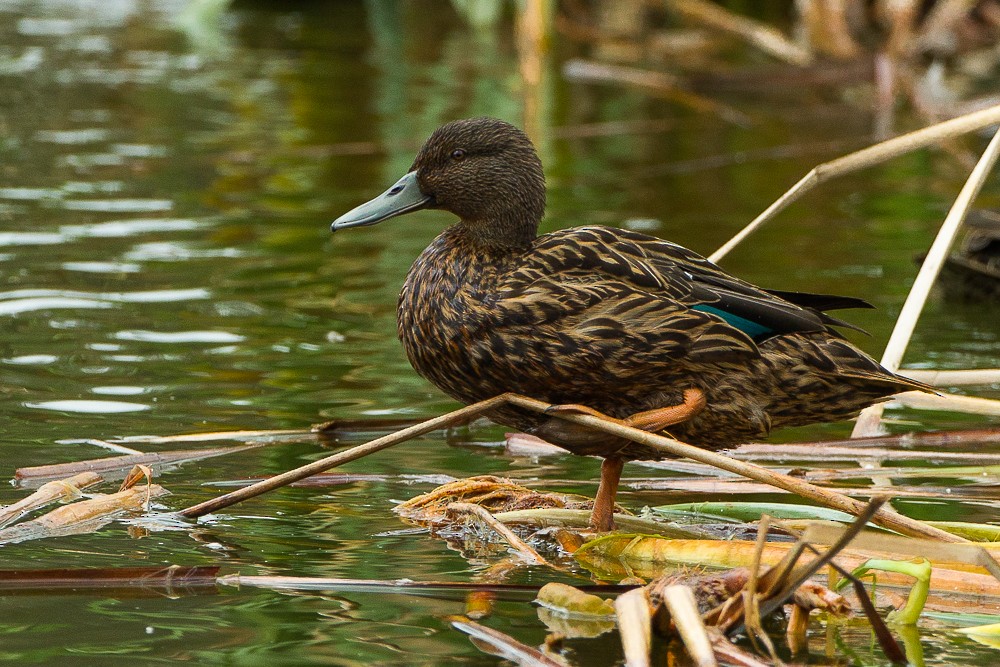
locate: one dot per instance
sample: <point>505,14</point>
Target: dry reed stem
<point>502,644</point>
<point>761,35</point>
<point>109,579</point>
<point>49,492</point>
<point>217,435</point>
<point>956,378</point>
<point>732,654</point>
<point>751,594</point>
<point>459,416</point>
<point>110,464</point>
<point>846,453</point>
<point>400,586</point>
<point>970,554</point>
<point>635,626</point>
<point>555,517</point>
<point>824,25</point>
<point>800,575</point>
<point>522,548</point>
<point>683,608</point>
<point>866,157</point>
<point>868,421</point>
<point>913,438</point>
<point>918,400</point>
<point>661,84</point>
<point>110,446</point>
<point>940,25</point>
<point>88,514</point>
<point>795,631</point>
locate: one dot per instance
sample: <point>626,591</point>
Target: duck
<point>972,273</point>
<point>603,320</point>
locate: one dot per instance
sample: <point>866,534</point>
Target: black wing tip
<point>821,302</point>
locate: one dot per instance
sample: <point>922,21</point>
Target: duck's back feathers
<point>652,266</point>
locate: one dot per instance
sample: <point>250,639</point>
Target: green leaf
<point>747,511</point>
<point>920,570</point>
<point>977,532</point>
<point>984,634</point>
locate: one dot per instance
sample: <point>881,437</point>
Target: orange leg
<point>660,418</point>
<point>650,420</point>
<point>602,516</point>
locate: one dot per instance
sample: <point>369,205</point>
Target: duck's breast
<point>443,319</point>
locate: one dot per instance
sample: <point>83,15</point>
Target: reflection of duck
<point>972,273</point>
<point>640,329</point>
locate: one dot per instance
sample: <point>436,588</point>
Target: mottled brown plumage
<point>615,320</point>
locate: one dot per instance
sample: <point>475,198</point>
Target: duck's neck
<point>502,232</point>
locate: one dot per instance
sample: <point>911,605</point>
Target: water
<point>166,186</point>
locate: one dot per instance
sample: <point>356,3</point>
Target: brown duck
<point>628,325</point>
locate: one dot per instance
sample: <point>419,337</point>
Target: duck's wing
<point>678,277</point>
<point>600,319</point>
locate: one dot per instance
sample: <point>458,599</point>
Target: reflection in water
<point>93,407</point>
<point>168,173</point>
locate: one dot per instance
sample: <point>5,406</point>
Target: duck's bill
<point>403,197</point>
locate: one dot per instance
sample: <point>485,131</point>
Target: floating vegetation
<point>83,516</point>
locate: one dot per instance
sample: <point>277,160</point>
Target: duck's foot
<point>661,418</point>
<point>650,420</point>
<point>602,518</point>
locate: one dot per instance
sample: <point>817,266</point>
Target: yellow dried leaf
<point>566,599</point>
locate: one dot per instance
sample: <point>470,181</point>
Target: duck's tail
<point>852,363</point>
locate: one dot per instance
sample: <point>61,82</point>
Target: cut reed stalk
<point>635,626</point>
<point>683,609</point>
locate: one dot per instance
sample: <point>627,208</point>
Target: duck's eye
<point>458,154</point>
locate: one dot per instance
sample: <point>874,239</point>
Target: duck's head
<point>483,170</point>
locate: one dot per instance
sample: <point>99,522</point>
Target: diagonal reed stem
<point>885,517</point>
<point>866,157</point>
<point>868,421</point>
<point>454,418</point>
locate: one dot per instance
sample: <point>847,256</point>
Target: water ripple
<point>48,303</point>
<point>123,228</point>
<point>179,336</point>
<point>102,267</point>
<point>29,194</point>
<point>30,238</point>
<point>28,300</point>
<point>174,252</point>
<point>118,205</point>
<point>81,136</point>
<point>46,27</point>
<point>110,229</point>
<point>121,390</point>
<point>151,296</point>
<point>89,406</point>
<point>28,61</point>
<point>31,360</point>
